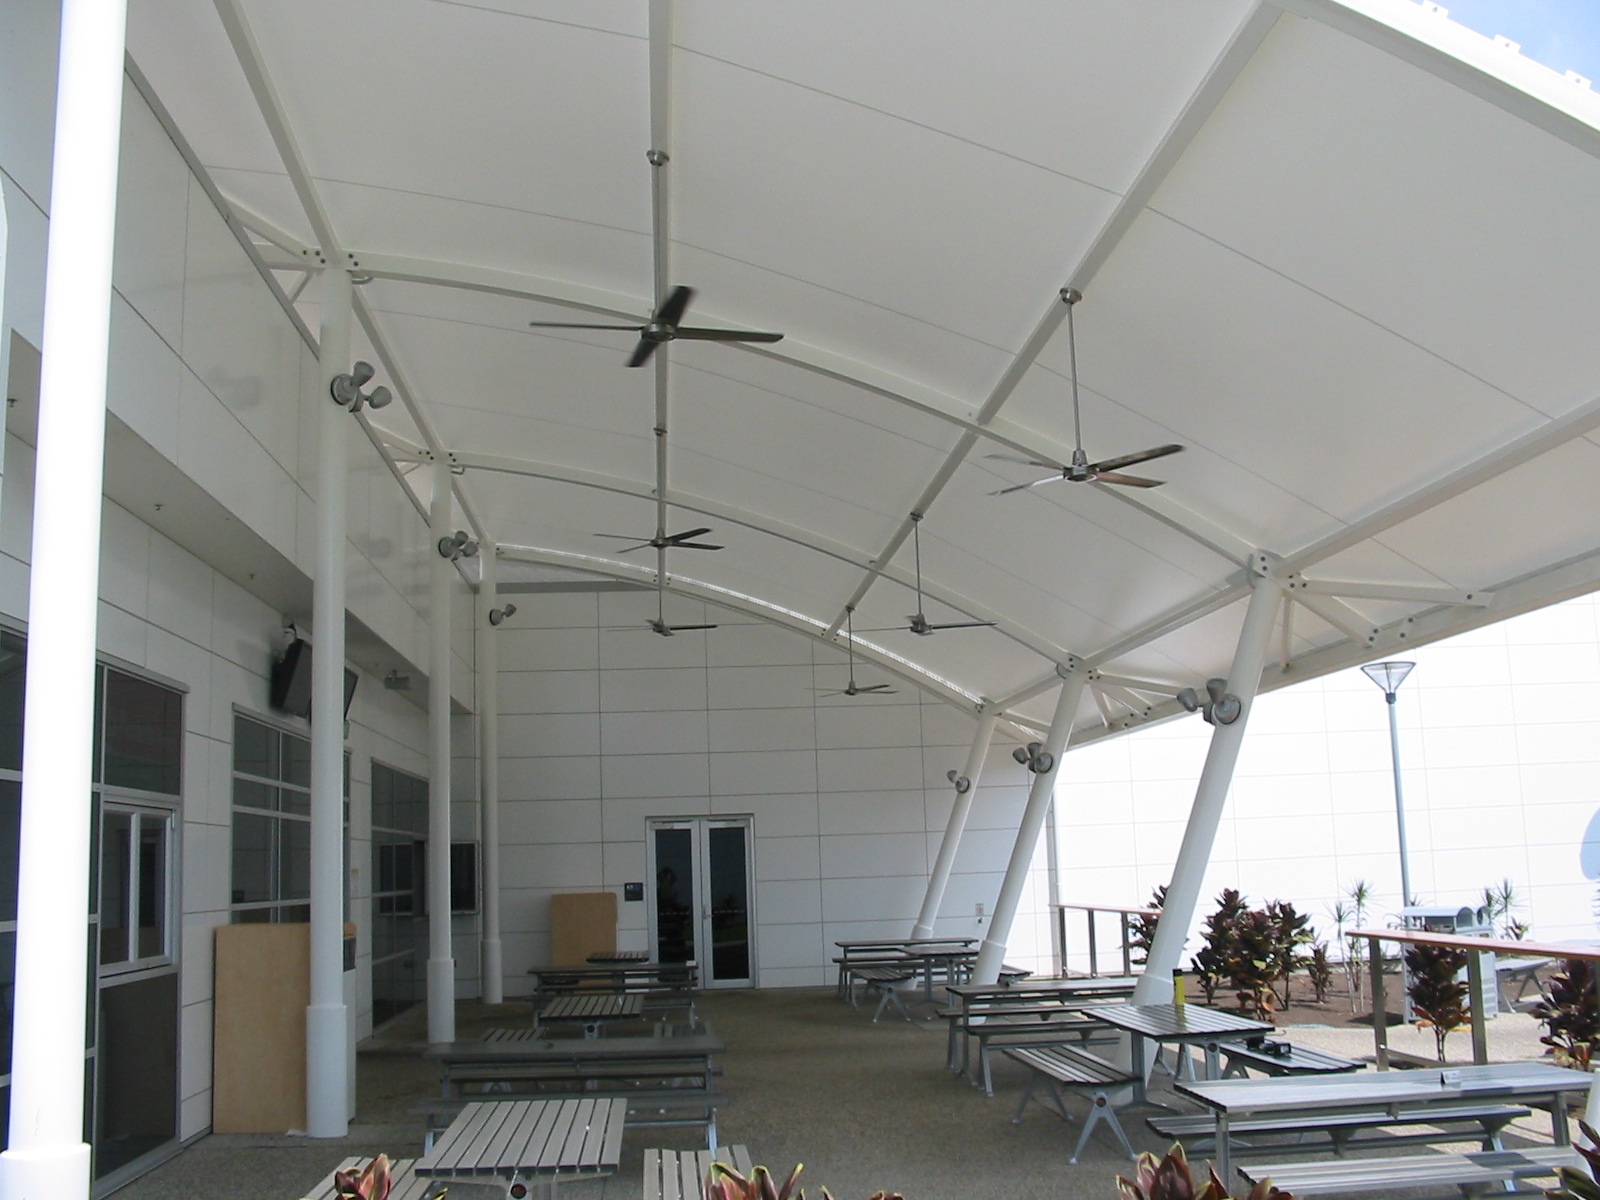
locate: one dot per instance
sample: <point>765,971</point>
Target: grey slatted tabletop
<point>592,1011</point>
<point>545,1140</point>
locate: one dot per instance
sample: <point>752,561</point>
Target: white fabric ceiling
<point>1341,251</point>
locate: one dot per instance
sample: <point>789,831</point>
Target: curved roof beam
<point>900,668</point>
<point>1027,638</point>
<point>817,361</point>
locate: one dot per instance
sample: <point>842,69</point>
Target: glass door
<point>700,907</point>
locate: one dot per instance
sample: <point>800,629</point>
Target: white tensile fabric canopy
<point>1345,254</point>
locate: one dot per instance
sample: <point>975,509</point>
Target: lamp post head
<point>1388,675</point>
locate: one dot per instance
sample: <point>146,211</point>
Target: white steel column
<point>327,1035</point>
<point>992,953</point>
<point>489,774</point>
<point>441,963</point>
<point>1183,892</point>
<point>47,1157</point>
<point>954,828</point>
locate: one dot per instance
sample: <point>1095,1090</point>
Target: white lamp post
<point>1389,676</point>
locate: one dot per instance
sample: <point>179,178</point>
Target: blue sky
<point>1564,34</point>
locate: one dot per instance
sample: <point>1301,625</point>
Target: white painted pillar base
<point>441,1000</point>
<point>1211,794</point>
<point>992,953</point>
<point>45,1173</point>
<point>939,879</point>
<point>493,972</point>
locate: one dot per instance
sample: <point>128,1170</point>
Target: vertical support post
<point>1094,945</point>
<point>992,953</point>
<point>1127,950</point>
<point>1380,1005</point>
<point>1399,804</point>
<point>47,1156</point>
<point>1059,911</point>
<point>441,962</point>
<point>327,1035</point>
<point>1183,893</point>
<point>953,829</point>
<point>489,775</point>
<point>1480,1027</point>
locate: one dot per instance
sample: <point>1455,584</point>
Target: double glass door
<point>700,902</point>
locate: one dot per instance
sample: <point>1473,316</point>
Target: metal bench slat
<point>1179,1127</point>
<point>1361,1175</point>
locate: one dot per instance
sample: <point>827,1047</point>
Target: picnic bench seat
<point>681,1174</point>
<point>1474,1174</point>
<point>1343,1128</point>
<point>1065,1067</point>
<point>1021,1025</point>
<point>404,1185</point>
<point>1281,1058</point>
<point>882,980</point>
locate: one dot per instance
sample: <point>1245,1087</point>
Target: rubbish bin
<point>1460,922</point>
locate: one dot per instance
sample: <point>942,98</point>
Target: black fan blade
<point>961,625</point>
<point>675,538</point>
<point>1138,481</point>
<point>1128,460</point>
<point>1022,487</point>
<point>727,335</point>
<point>642,352</point>
<point>673,307</point>
<point>696,546</point>
<point>570,325</point>
<point>680,628</point>
<point>881,689</point>
<point>1026,462</point>
<point>623,537</point>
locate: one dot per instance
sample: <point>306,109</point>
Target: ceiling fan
<point>852,689</point>
<point>665,541</point>
<point>1080,469</point>
<point>920,624</point>
<point>663,326</point>
<point>658,623</point>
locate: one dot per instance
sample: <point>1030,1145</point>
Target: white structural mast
<point>47,1158</point>
<point>327,1032</point>
<point>966,789</point>
<point>441,962</point>
<point>489,771</point>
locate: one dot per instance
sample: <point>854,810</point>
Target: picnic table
<point>663,985</point>
<point>593,1012</point>
<point>522,1141</point>
<point>614,957</point>
<point>664,1080</point>
<point>1035,1012</point>
<point>1385,1091</point>
<point>881,951</point>
<point>1181,1025</point>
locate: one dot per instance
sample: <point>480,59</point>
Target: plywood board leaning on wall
<point>263,984</point>
<point>581,924</point>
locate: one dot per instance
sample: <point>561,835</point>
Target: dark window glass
<point>252,858</point>
<point>152,932</point>
<point>294,861</point>
<point>116,887</point>
<point>143,735</point>
<point>247,793</point>
<point>8,992</point>
<point>255,748</point>
<point>296,761</point>
<point>13,660</point>
<point>675,923</point>
<point>295,801</point>
<point>10,850</point>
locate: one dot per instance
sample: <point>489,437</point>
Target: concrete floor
<point>810,1080</point>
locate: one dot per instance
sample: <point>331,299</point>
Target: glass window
<point>13,659</point>
<point>399,931</point>
<point>116,886</point>
<point>272,822</point>
<point>135,887</point>
<point>143,735</point>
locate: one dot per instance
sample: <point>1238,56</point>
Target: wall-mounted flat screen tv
<point>290,690</point>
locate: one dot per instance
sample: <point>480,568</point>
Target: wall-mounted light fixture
<point>346,389</point>
<point>1222,708</point>
<point>1034,757</point>
<point>496,615</point>
<point>459,545</point>
<point>963,784</point>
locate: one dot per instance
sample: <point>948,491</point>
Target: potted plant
<point>1169,1178</point>
<point>725,1183</point>
<point>1567,1008</point>
<point>1438,994</point>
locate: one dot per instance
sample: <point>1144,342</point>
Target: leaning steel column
<point>47,1157</point>
<point>327,1035</point>
<point>1188,873</point>
<point>991,955</point>
<point>492,985</point>
<point>441,963</point>
<point>954,828</point>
